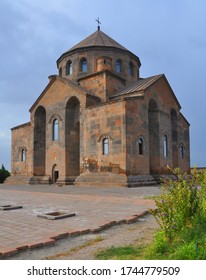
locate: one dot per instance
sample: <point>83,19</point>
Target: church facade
<point>98,123</point>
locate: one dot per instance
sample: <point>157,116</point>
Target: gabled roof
<point>98,39</point>
<point>140,86</point>
<point>53,78</point>
<point>21,125</point>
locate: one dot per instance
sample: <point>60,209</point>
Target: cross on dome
<point>98,27</point>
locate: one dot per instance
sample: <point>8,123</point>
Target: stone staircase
<point>17,180</point>
<point>141,180</point>
<point>43,180</point>
<point>107,179</point>
<point>101,179</point>
<point>96,179</point>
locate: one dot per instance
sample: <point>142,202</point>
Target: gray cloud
<point>168,36</point>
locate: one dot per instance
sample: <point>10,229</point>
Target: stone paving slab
<point>95,209</point>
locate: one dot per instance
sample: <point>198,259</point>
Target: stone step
<point>17,180</point>
<point>35,180</point>
<point>141,184</point>
<point>101,179</point>
<point>141,180</point>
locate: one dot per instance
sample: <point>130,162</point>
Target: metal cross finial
<point>98,23</point>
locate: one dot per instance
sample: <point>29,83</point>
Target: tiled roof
<point>139,85</point>
<point>100,39</point>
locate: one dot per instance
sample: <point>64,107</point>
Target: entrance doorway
<point>55,174</point>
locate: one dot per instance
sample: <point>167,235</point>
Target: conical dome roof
<point>98,39</point>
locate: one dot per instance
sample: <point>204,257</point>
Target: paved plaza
<point>95,209</point>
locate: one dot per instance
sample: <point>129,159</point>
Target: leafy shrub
<point>178,204</point>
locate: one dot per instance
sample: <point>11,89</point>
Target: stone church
<point>99,123</point>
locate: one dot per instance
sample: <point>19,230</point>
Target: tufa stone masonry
<point>98,123</point>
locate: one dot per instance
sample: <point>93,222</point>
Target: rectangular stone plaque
<point>56,215</point>
<point>10,207</point>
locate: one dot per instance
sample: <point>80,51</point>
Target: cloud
<point>168,36</point>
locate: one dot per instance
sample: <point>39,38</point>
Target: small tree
<point>3,174</point>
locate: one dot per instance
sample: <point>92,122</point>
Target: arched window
<point>60,72</point>
<point>140,145</point>
<point>23,155</point>
<point>105,146</point>
<point>83,65</point>
<point>181,151</point>
<point>131,69</point>
<point>165,147</point>
<point>55,130</point>
<point>118,66</point>
<point>69,68</point>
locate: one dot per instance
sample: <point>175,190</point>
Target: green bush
<point>3,174</point>
<point>181,214</point>
<point>178,204</point>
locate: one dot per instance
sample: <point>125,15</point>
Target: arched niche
<point>154,138</point>
<point>39,141</point>
<point>72,137</point>
<point>174,133</point>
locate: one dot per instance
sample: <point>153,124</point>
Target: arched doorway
<point>72,137</point>
<point>39,141</point>
<point>55,174</point>
<point>154,139</point>
<point>174,133</point>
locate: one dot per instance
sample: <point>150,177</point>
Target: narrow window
<point>181,151</point>
<point>69,68</point>
<point>55,130</point>
<point>83,65</point>
<point>118,66</point>
<point>23,155</point>
<point>105,143</point>
<point>165,147</point>
<point>131,69</point>
<point>140,144</point>
<point>60,72</point>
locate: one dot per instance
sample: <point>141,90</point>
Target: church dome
<point>98,39</point>
<point>89,50</point>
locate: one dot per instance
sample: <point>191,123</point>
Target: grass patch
<point>120,253</point>
<point>190,244</point>
<point>152,197</point>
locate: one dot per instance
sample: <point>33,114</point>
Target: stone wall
<point>136,129</point>
<point>93,58</point>
<point>22,139</point>
<point>100,122</point>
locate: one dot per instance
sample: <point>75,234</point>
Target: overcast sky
<point>169,36</point>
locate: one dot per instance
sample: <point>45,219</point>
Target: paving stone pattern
<point>95,209</point>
